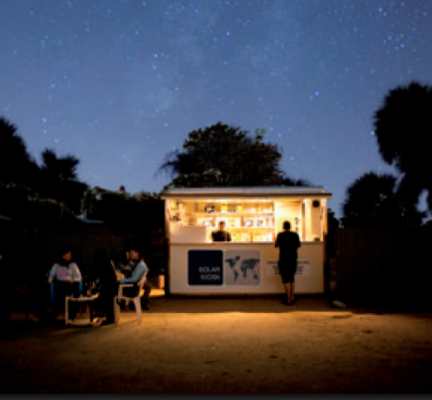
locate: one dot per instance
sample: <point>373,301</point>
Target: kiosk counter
<point>248,264</point>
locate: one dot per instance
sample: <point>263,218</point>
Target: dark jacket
<point>221,236</point>
<point>288,243</point>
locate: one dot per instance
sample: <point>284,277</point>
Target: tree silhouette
<point>222,155</point>
<point>16,165</point>
<point>59,168</point>
<point>372,202</point>
<point>403,128</point>
<point>294,182</point>
<point>59,180</point>
<point>139,212</point>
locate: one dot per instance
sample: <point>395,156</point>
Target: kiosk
<point>249,263</point>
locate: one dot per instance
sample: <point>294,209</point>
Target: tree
<point>16,165</point>
<point>222,155</point>
<point>25,206</point>
<point>371,202</point>
<point>15,199</point>
<point>294,182</point>
<point>59,180</point>
<point>139,212</point>
<point>403,128</point>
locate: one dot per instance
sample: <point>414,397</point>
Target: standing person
<point>221,235</point>
<point>65,275</point>
<point>288,243</point>
<point>138,268</point>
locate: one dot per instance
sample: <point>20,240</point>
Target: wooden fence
<point>34,255</point>
<point>384,266</point>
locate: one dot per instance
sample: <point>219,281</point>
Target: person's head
<point>286,226</point>
<point>221,225</point>
<point>64,255</point>
<point>124,257</point>
<point>135,252</point>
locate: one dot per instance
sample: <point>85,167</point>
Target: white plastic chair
<point>136,300</point>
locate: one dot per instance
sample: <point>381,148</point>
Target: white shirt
<point>65,273</point>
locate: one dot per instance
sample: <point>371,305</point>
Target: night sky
<point>119,84</point>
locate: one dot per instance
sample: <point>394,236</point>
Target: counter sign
<point>205,267</point>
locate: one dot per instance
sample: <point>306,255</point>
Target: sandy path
<point>225,346</point>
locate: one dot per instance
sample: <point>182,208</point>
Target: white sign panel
<point>242,267</point>
<point>303,267</point>
<point>272,268</point>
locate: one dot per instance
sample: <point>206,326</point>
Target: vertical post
<point>168,250</point>
<point>324,229</point>
<point>303,206</point>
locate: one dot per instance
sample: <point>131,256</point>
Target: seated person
<point>124,267</point>
<point>104,268</point>
<point>106,279</point>
<point>66,277</point>
<point>138,268</point>
<point>221,235</point>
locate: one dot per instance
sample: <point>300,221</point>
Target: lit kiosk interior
<point>253,216</point>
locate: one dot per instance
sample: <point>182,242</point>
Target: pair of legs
<point>287,269</point>
<point>146,295</point>
<point>289,290</point>
<point>61,290</point>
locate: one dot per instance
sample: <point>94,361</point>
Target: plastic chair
<point>136,300</point>
<point>53,291</point>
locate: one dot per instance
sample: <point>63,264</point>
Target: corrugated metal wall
<point>384,266</point>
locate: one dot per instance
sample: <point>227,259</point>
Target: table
<point>88,302</point>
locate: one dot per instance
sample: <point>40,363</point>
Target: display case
<point>246,221</point>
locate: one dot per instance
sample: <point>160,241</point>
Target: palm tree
<point>59,180</point>
<point>403,128</point>
<point>16,165</point>
<point>371,201</point>
<point>60,168</point>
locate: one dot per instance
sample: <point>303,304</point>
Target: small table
<point>88,302</point>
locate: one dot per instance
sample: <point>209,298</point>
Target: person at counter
<point>221,235</point>
<point>288,243</point>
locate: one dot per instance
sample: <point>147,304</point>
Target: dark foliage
<point>222,155</point>
<point>139,213</point>
<point>16,165</point>
<point>59,181</point>
<point>294,182</point>
<point>371,202</point>
<point>403,127</point>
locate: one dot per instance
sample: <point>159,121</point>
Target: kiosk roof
<point>230,192</point>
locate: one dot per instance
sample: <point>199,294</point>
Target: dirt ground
<point>243,345</point>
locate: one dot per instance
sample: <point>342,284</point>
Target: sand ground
<point>243,345</point>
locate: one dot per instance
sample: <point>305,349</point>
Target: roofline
<point>247,192</point>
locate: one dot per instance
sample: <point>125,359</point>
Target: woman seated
<point>65,276</point>
<point>107,280</point>
<point>124,267</point>
<point>137,268</point>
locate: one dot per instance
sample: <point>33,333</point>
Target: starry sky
<point>121,83</point>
